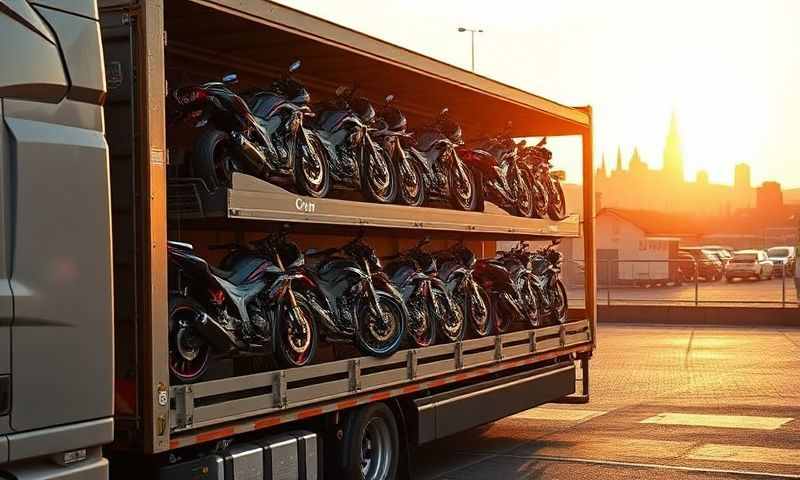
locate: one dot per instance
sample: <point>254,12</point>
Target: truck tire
<point>370,448</point>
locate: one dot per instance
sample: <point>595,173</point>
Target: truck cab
<point>56,316</point>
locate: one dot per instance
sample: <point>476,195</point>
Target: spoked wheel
<point>312,175</point>
<point>371,445</point>
<point>559,306</point>
<point>504,315</point>
<point>421,326</point>
<point>540,197</point>
<point>189,353</point>
<point>477,310</point>
<point>412,184</point>
<point>533,306</point>
<point>297,334</point>
<point>557,208</point>
<point>450,320</point>
<point>380,177</point>
<point>380,336</point>
<point>214,161</point>
<point>464,189</point>
<point>524,196</point>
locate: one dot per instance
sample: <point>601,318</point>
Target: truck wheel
<point>371,444</point>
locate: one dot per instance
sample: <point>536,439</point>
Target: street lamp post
<point>472,33</point>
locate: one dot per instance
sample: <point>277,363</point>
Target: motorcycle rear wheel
<point>465,193</point>
<point>375,188</point>
<point>380,337</point>
<point>478,312</point>
<point>189,353</point>
<point>312,172</point>
<point>451,325</point>
<point>524,207</point>
<point>540,197</point>
<point>296,339</point>
<point>557,205</point>
<point>559,306</point>
<point>214,161</point>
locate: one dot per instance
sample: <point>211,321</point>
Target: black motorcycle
<point>414,174</point>
<point>248,307</point>
<point>537,159</point>
<point>235,140</point>
<point>518,262</point>
<point>446,176</point>
<point>546,268</point>
<point>356,300</point>
<point>433,313</point>
<point>507,305</point>
<point>457,265</point>
<point>344,137</point>
<point>505,184</point>
<point>281,111</point>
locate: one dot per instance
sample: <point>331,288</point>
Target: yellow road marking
<point>721,421</point>
<point>745,454</point>
<point>559,414</point>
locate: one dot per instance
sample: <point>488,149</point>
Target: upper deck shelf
<point>251,199</point>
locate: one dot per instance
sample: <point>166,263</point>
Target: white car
<point>784,259</point>
<point>749,264</point>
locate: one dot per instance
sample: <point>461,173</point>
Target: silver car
<point>784,259</point>
<point>749,264</point>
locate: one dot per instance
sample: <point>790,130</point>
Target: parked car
<point>749,264</point>
<point>723,253</point>
<point>709,267</point>
<point>784,260</point>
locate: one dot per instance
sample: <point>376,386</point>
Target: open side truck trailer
<point>87,206</point>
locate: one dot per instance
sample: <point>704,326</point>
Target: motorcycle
<point>356,300</point>
<point>235,140</point>
<point>546,268</point>
<point>412,172</point>
<point>537,159</point>
<point>457,268</point>
<point>344,137</point>
<point>445,175</point>
<point>281,111</point>
<point>519,264</point>
<point>431,309</point>
<point>249,307</point>
<point>507,305</point>
<point>505,184</point>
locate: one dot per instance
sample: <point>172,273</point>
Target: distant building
<point>769,198</point>
<point>673,153</point>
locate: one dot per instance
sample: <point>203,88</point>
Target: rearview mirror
<point>230,79</point>
<point>389,99</point>
<point>295,66</point>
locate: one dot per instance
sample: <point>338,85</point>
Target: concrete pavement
<point>667,402</point>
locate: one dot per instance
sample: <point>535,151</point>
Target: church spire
<point>619,159</point>
<point>602,169</point>
<point>673,152</point>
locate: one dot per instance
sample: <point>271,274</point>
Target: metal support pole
<point>608,282</point>
<point>696,283</point>
<point>783,284</point>
<point>472,34</point>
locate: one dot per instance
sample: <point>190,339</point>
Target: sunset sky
<point>729,69</point>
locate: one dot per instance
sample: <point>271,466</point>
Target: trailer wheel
<point>371,444</point>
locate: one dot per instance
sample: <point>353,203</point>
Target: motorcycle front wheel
<point>296,334</point>
<point>524,196</point>
<point>312,174</point>
<point>380,181</point>
<point>559,305</point>
<point>450,320</point>
<point>412,184</point>
<point>213,159</point>
<point>540,197</point>
<point>189,353</point>
<point>421,326</point>
<point>466,192</point>
<point>557,207</point>
<point>477,310</point>
<point>376,336</point>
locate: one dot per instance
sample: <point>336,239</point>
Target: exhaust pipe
<point>221,339</point>
<point>254,155</point>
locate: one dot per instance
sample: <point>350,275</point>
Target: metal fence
<point>680,282</point>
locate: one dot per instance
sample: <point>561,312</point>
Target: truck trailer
<point>89,199</point>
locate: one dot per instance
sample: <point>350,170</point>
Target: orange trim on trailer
<point>303,413</point>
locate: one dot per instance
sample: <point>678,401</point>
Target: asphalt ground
<point>666,403</point>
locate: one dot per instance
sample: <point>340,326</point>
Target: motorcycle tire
<point>421,326</point>
<point>524,207</point>
<point>312,180</point>
<point>471,200</point>
<point>189,353</point>
<point>411,195</point>
<point>289,352</point>
<point>213,159</point>
<point>384,342</point>
<point>380,193</point>
<point>540,198</point>
<point>503,317</point>
<point>560,306</point>
<point>557,205</point>
<point>452,325</point>
<point>533,307</point>
<point>471,312</point>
